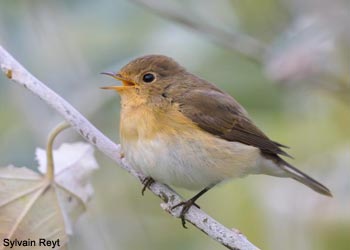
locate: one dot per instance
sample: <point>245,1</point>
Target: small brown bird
<point>181,130</point>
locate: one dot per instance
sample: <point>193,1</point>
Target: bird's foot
<point>122,155</point>
<point>186,205</point>
<point>147,182</point>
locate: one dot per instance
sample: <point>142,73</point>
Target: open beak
<point>126,83</point>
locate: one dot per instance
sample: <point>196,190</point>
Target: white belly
<point>192,161</point>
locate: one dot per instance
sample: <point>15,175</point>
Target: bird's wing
<point>219,114</point>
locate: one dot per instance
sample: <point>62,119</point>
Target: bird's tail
<point>296,174</point>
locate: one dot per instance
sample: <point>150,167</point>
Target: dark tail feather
<point>296,174</point>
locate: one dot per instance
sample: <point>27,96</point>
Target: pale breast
<point>172,150</point>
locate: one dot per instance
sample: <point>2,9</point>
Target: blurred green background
<point>293,79</point>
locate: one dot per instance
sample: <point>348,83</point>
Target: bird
<point>181,130</point>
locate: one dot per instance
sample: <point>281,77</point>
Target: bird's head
<point>147,77</point>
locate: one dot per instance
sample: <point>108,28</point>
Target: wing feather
<point>220,114</point>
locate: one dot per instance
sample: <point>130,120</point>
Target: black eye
<point>149,77</point>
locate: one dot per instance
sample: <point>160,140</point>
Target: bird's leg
<point>146,183</point>
<point>122,155</point>
<point>186,205</point>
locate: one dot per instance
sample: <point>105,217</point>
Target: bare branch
<point>243,44</point>
<point>232,239</point>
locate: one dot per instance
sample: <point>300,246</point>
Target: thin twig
<point>241,43</point>
<point>232,239</point>
<point>50,166</point>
